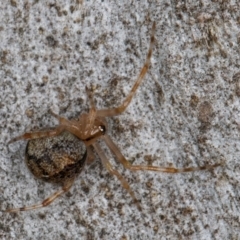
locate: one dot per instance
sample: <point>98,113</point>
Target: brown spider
<point>59,154</point>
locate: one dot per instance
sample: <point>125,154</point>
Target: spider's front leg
<point>118,110</point>
<point>116,151</point>
<point>113,171</point>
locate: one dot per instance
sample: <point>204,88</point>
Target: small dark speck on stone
<point>51,41</point>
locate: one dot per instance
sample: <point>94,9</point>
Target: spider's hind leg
<point>63,123</point>
<point>45,202</point>
<point>40,134</point>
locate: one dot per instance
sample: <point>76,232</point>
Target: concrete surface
<point>186,113</point>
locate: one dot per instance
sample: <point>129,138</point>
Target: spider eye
<point>102,128</point>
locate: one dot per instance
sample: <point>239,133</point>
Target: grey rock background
<point>186,113</point>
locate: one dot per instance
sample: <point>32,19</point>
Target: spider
<point>59,154</point>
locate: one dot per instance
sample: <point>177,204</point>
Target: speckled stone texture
<point>186,113</point>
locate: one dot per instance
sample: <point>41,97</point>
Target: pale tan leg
<point>109,167</point>
<point>63,125</point>
<point>116,111</point>
<point>41,134</point>
<point>116,151</point>
<point>47,201</point>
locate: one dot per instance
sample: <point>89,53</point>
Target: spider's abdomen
<point>56,159</point>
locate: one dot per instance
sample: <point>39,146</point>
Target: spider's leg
<point>34,135</point>
<point>64,124</point>
<point>109,167</point>
<point>118,110</point>
<point>116,151</point>
<point>45,202</point>
<point>62,121</point>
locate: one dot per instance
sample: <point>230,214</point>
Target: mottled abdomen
<point>56,159</point>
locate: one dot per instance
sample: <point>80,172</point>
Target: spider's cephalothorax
<point>48,157</point>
